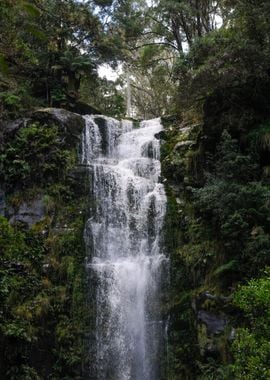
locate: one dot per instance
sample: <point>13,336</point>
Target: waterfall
<point>126,262</point>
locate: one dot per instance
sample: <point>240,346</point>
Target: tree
<point>47,48</point>
<point>180,22</point>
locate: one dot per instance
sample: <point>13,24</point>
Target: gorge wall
<point>44,205</point>
<point>215,163</point>
<point>216,234</point>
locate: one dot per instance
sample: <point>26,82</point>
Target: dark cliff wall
<point>44,197</point>
<point>215,163</point>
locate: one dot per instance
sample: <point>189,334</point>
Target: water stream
<point>126,264</point>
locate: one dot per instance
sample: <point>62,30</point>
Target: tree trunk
<point>176,33</point>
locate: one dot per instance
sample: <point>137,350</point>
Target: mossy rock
<point>71,124</point>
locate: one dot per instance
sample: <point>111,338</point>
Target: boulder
<point>71,123</point>
<point>8,128</point>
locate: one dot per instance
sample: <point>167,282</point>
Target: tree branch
<point>154,44</point>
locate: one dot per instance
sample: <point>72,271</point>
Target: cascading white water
<point>126,262</point>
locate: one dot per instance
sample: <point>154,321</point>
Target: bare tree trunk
<point>176,33</point>
<point>186,29</point>
<point>198,18</point>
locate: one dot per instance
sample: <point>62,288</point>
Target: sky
<point>106,71</point>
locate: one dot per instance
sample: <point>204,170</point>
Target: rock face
<point>183,145</point>
<point>71,123</point>
<point>214,323</point>
<point>29,213</point>
<point>66,127</point>
<point>200,321</point>
<point>14,125</point>
<point>160,135</point>
<point>44,201</point>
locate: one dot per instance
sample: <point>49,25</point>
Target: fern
<point>225,267</point>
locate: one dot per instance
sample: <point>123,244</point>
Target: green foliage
<point>3,65</point>
<point>51,45</point>
<point>9,99</point>
<point>260,137</point>
<point>42,294</point>
<point>232,164</point>
<point>23,373</point>
<point>235,206</point>
<point>251,349</point>
<point>15,100</point>
<point>224,211</point>
<point>104,96</point>
<point>44,315</point>
<point>254,300</point>
<point>225,267</point>
<point>35,154</point>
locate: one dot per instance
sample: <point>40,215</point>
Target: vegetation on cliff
<point>44,315</point>
<point>206,63</point>
<point>216,160</point>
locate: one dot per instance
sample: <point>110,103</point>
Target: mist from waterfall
<point>126,264</point>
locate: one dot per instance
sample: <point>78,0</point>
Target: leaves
<point>35,32</point>
<point>31,9</point>
<point>231,265</point>
<point>251,348</point>
<point>3,65</point>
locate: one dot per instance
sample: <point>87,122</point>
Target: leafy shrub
<point>251,348</point>
<point>36,154</point>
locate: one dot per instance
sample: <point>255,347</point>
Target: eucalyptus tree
<point>180,22</point>
<point>153,37</point>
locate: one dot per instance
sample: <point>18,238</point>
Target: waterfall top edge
<point>110,118</point>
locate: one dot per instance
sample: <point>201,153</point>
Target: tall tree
<point>47,47</point>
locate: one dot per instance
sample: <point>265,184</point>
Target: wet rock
<point>219,300</point>
<point>184,130</point>
<point>168,120</point>
<point>213,297</point>
<point>12,126</point>
<point>183,145</point>
<point>162,135</point>
<point>215,324</point>
<point>29,213</point>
